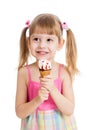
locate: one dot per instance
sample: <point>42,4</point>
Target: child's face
<point>44,46</point>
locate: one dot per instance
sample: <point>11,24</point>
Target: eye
<point>36,39</point>
<point>49,40</point>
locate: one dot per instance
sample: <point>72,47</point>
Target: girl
<point>46,103</point>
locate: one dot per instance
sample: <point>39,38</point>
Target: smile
<point>42,52</point>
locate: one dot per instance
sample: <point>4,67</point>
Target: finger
<point>43,95</point>
<point>44,90</point>
<point>46,77</point>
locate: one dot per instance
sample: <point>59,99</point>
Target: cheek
<point>31,49</point>
<point>32,46</point>
<point>54,47</point>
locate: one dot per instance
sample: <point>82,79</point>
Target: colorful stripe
<point>48,120</point>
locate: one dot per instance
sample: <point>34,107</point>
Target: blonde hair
<point>49,24</point>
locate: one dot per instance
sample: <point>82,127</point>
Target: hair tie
<point>27,23</point>
<point>65,26</point>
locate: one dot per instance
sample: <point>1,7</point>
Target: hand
<point>43,94</point>
<point>47,83</point>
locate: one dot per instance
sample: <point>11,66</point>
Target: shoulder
<point>23,74</point>
<point>65,75</point>
<point>22,71</point>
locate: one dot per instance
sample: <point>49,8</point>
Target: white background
<point>13,15</point>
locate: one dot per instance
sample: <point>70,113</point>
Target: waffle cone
<point>44,73</point>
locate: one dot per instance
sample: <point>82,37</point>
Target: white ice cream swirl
<point>44,65</point>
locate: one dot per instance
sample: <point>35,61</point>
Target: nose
<point>42,44</point>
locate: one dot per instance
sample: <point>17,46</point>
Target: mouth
<point>42,52</point>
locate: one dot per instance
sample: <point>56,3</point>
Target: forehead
<point>44,35</point>
<point>43,30</point>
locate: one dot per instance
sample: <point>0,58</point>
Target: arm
<point>64,101</point>
<point>22,107</point>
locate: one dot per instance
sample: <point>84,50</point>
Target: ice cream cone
<point>44,73</point>
<point>44,67</point>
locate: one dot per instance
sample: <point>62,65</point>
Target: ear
<point>61,43</point>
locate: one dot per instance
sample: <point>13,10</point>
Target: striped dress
<point>46,117</point>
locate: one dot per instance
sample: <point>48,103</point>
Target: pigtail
<point>71,53</point>
<point>24,51</point>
